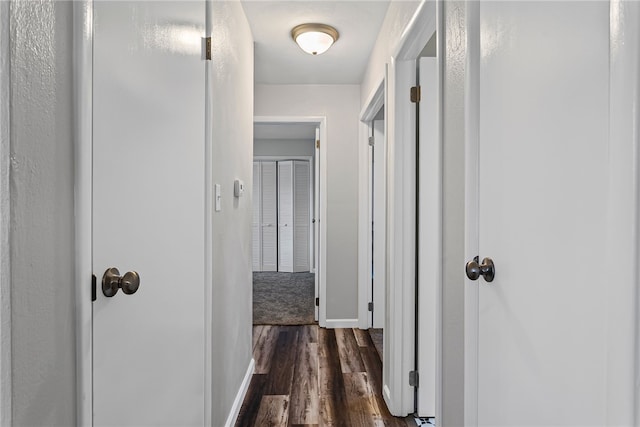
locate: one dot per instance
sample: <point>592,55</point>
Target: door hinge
<point>415,94</point>
<point>207,49</point>
<point>413,378</point>
<point>317,299</point>
<point>370,306</point>
<point>93,287</point>
<point>317,143</point>
<point>372,141</point>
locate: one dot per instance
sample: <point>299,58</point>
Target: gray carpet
<point>283,298</point>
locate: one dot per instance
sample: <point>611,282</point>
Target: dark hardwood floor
<point>310,376</point>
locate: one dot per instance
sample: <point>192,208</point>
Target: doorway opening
<point>287,208</point>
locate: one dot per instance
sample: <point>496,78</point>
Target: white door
<point>149,212</point>
<point>541,76</point>
<point>256,215</point>
<point>429,234</point>
<point>285,216</point>
<point>269,217</point>
<point>301,215</point>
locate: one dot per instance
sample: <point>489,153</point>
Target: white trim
<point>429,235</point>
<point>342,323</point>
<point>623,235</point>
<point>472,209</point>
<point>374,103</point>
<point>321,246</point>
<point>208,226</point>
<point>418,31</point>
<point>372,107</point>
<point>440,52</point>
<point>83,106</point>
<point>6,385</point>
<point>240,395</point>
<point>282,158</point>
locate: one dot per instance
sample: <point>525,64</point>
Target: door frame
<point>623,246</point>
<point>320,199</point>
<point>83,184</point>
<point>5,217</point>
<point>365,255</point>
<point>401,303</point>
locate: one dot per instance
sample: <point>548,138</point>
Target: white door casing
<point>315,221</point>
<point>429,234</point>
<point>149,212</point>
<point>554,329</point>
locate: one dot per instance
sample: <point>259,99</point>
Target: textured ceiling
<point>278,60</point>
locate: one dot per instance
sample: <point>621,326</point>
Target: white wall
<point>232,87</point>
<point>398,16</point>
<point>341,105</point>
<point>283,147</point>
<point>42,249</point>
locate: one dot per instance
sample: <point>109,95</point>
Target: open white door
<point>149,212</point>
<point>554,318</point>
<point>429,235</point>
<point>399,329</point>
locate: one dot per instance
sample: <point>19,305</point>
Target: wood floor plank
<point>263,350</point>
<point>361,337</point>
<point>257,331</point>
<point>305,394</point>
<point>363,408</point>
<point>251,403</point>
<point>350,359</point>
<point>273,412</point>
<point>309,333</point>
<point>333,401</point>
<point>283,360</point>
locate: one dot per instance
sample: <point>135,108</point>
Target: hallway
<point>306,375</point>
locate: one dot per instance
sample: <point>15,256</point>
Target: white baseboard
<point>341,323</point>
<point>237,403</point>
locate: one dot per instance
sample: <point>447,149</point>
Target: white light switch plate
<point>218,197</point>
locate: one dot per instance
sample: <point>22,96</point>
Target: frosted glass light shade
<point>314,38</point>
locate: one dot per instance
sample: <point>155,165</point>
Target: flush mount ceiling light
<point>314,38</point>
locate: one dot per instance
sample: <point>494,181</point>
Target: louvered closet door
<point>257,205</point>
<point>302,215</point>
<point>285,216</point>
<point>269,217</point>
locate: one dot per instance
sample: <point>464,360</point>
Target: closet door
<point>285,216</point>
<point>269,217</point>
<point>257,214</point>
<point>301,215</point>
